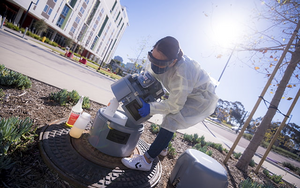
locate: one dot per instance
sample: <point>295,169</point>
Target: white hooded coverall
<point>192,95</point>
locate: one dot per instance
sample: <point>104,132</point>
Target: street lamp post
<point>27,12</point>
<point>226,65</point>
<point>105,54</point>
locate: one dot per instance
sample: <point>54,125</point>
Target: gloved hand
<point>145,110</point>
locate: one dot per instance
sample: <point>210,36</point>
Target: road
<point>231,136</point>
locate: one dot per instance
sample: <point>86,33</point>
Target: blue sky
<point>196,25</point>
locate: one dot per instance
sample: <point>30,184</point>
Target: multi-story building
<point>95,26</point>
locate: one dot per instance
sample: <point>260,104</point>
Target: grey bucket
<point>112,138</point>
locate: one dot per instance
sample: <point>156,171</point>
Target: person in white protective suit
<point>191,99</point>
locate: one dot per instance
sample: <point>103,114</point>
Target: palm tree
<point>40,26</point>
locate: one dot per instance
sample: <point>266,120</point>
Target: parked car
<point>216,120</point>
<point>236,129</point>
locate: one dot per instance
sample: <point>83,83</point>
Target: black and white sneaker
<point>137,162</point>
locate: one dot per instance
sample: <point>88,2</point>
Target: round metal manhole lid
<point>80,164</point>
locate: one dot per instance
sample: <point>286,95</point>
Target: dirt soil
<point>30,169</point>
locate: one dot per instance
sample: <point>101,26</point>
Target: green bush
<point>285,153</point>
<point>264,144</point>
<point>237,155</point>
<point>252,163</point>
<point>14,79</point>
<point>12,26</point>
<point>37,37</point>
<point>171,150</point>
<point>69,98</point>
<point>194,139</point>
<point>219,147</point>
<point>48,41</point>
<point>277,179</point>
<point>209,152</point>
<point>54,44</point>
<point>248,183</point>
<point>30,34</point>
<point>291,167</point>
<point>155,128</point>
<point>2,94</point>
<point>174,135</point>
<point>14,134</point>
<point>247,136</point>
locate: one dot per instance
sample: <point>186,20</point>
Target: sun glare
<point>226,33</point>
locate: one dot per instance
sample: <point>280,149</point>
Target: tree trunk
<point>261,130</point>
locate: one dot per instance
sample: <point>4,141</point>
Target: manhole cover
<point>80,164</point>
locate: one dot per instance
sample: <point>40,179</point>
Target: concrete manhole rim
<point>50,140</point>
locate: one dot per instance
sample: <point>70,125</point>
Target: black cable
<point>272,106</point>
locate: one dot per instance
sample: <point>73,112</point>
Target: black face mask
<point>158,66</point>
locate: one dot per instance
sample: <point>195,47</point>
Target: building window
<point>95,26</point>
<point>49,12</point>
<point>87,1</point>
<point>103,26</point>
<point>72,30</point>
<point>82,32</point>
<point>55,1</point>
<point>112,9</point>
<point>61,22</point>
<point>82,10</point>
<point>72,3</point>
<point>65,11</point>
<point>94,42</point>
<point>46,8</point>
<point>77,20</point>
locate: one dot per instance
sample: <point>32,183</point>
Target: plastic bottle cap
<point>85,115</point>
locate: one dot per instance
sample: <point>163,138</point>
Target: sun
<point>226,33</point>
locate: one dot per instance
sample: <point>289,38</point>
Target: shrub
<point>12,26</point>
<point>188,138</point>
<point>48,41</point>
<point>171,151</point>
<point>248,183</point>
<point>247,136</point>
<point>252,163</point>
<point>219,147</point>
<point>71,98</point>
<point>197,146</point>
<point>174,135</point>
<point>37,37</point>
<point>264,144</point>
<point>193,138</point>
<point>14,79</point>
<point>155,128</point>
<point>15,134</point>
<point>1,93</point>
<point>54,44</point>
<point>277,179</point>
<point>237,155</point>
<point>289,165</point>
<point>209,153</point>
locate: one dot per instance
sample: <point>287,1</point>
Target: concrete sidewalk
<point>209,135</point>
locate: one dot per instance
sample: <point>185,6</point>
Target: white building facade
<point>95,25</point>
